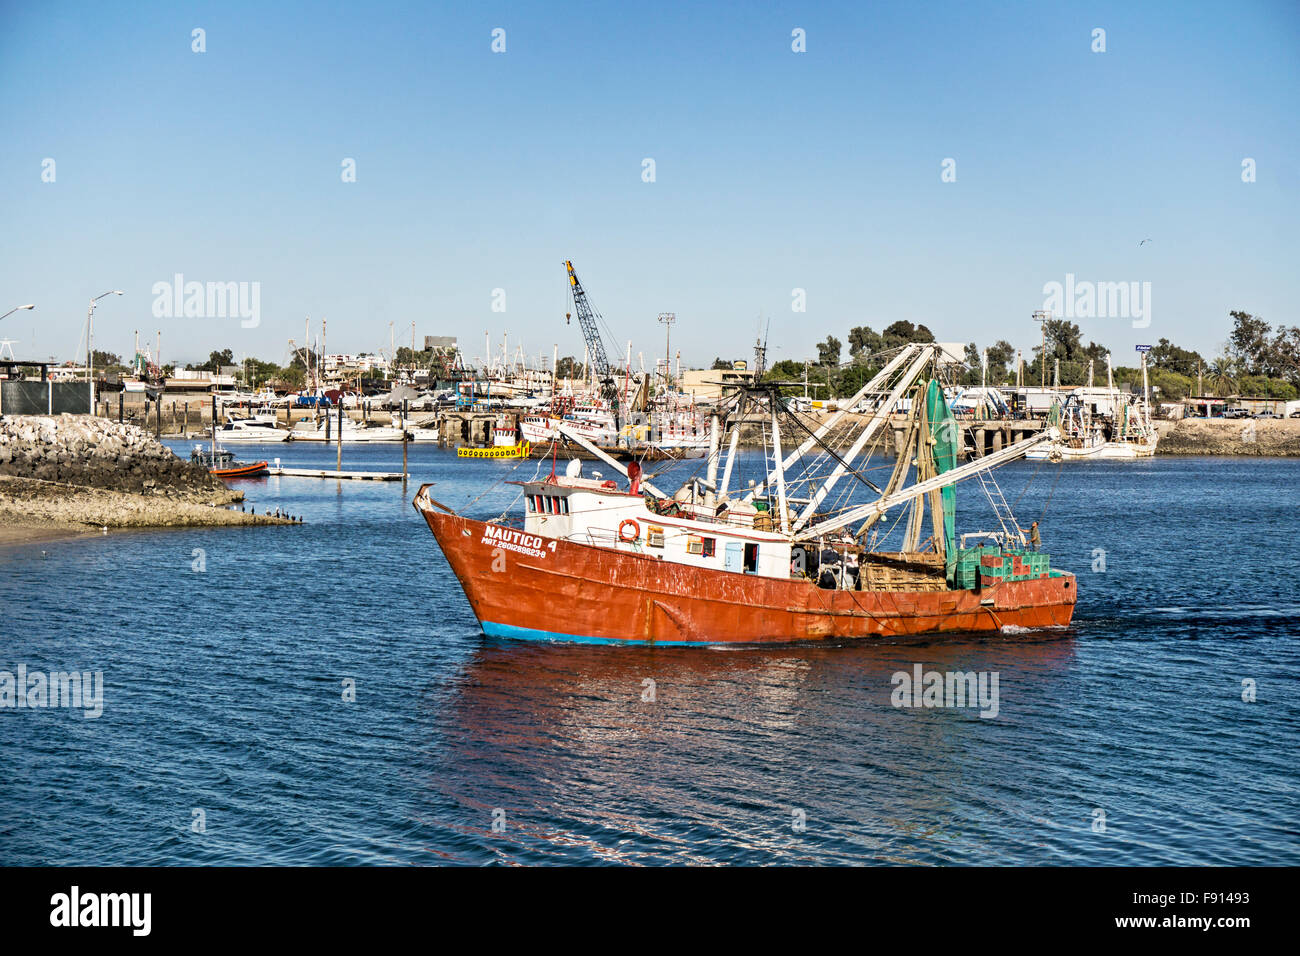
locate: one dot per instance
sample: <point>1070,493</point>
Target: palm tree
<point>1223,377</point>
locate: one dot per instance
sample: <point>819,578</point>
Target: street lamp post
<point>1043,318</point>
<point>90,346</point>
<point>16,309</point>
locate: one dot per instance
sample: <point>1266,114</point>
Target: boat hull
<point>251,437</point>
<point>527,586</point>
<point>359,436</point>
<point>252,470</point>
<point>1107,451</point>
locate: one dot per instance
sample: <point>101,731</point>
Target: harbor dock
<point>276,471</point>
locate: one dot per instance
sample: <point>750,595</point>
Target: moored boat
<point>319,431</point>
<point>1099,424</point>
<point>222,464</point>
<point>505,444</point>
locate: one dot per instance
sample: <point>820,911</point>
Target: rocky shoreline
<point>67,474</point>
<point>1268,438</point>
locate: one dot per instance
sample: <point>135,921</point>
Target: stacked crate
<point>979,567</point>
<point>967,571</point>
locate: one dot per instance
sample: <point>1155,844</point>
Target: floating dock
<point>278,472</point>
<point>494,451</point>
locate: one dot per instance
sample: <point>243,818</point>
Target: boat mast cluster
<point>800,497</point>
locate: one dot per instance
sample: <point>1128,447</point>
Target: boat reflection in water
<point>649,755</point>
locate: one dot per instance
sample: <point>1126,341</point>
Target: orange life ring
<point>636,530</point>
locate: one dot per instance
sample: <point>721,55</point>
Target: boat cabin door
<point>735,556</point>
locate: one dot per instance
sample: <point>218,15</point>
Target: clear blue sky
<point>775,170</point>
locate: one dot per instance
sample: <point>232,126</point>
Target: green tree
<point>1223,377</point>
<point>105,360</point>
<point>1164,354</point>
<point>863,341</point>
<point>570,367</point>
<point>293,375</point>
<point>1001,353</point>
<point>902,332</point>
<point>828,352</point>
<point>1286,354</point>
<point>256,372</point>
<point>1248,343</point>
<point>215,361</point>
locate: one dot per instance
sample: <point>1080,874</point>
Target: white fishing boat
<point>1101,424</point>
<point>595,425</point>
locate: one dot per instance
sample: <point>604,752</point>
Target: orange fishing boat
<point>222,464</point>
<point>596,561</point>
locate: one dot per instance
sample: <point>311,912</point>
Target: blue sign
<point>1143,348</point>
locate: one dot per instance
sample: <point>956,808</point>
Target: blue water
<point>224,694</point>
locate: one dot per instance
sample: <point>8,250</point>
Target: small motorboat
<point>223,464</point>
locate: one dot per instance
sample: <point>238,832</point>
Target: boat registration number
<point>511,539</point>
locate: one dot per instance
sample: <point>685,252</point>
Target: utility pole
<point>1043,318</point>
<point>668,318</point>
<point>90,347</point>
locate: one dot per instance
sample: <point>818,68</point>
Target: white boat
<point>594,425</point>
<point>1101,424</point>
<point>1095,448</point>
<point>257,428</point>
<point>1088,435</point>
<point>352,432</point>
<point>414,433</point>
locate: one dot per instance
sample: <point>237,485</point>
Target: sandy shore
<point>33,510</point>
<point>16,532</point>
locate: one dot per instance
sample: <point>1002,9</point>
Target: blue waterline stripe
<point>492,629</point>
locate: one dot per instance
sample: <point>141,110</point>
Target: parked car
<point>1268,415</point>
<point>1236,413</point>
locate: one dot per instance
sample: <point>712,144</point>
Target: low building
<point>708,384</point>
<point>1203,406</point>
<point>198,379</point>
<point>1255,406</point>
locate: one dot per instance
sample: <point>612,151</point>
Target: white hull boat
<point>352,432</point>
<point>1094,451</point>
